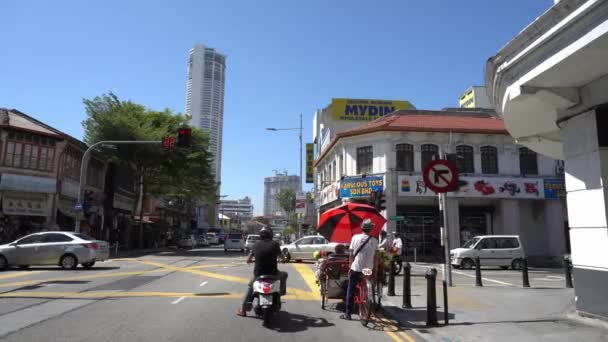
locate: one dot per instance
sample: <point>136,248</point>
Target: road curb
<point>392,313</point>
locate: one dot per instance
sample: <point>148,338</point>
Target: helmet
<point>395,234</point>
<point>367,225</point>
<point>266,233</point>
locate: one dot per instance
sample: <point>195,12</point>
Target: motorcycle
<point>267,290</point>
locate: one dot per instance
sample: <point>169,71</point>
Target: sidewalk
<point>495,312</point>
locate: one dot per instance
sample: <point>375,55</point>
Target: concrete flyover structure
<point>550,84</point>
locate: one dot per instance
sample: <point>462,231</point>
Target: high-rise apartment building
<point>272,187</point>
<point>241,209</point>
<point>205,97</point>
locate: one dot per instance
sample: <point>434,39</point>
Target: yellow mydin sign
<point>310,159</point>
<point>468,100</point>
<point>365,110</point>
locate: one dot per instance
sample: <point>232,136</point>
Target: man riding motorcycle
<point>265,253</point>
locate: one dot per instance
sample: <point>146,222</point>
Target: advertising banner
<point>310,159</point>
<point>485,187</point>
<point>555,188</point>
<point>17,204</point>
<point>364,110</point>
<point>329,194</point>
<point>360,187</point>
<point>300,202</point>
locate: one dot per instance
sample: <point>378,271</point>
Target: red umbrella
<point>341,223</point>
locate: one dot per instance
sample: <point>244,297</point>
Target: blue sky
<point>284,57</point>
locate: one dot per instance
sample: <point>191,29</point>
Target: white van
<point>493,250</point>
<point>234,241</point>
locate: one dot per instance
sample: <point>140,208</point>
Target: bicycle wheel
<point>365,301</point>
<point>378,295</point>
<point>323,294</point>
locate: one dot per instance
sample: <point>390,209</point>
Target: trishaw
<point>333,282</point>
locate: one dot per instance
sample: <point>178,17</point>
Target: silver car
<point>64,249</point>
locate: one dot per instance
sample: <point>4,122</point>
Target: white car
<point>65,249</point>
<point>234,241</point>
<point>252,239</point>
<point>187,242</point>
<point>493,250</point>
<point>213,239</point>
<point>304,248</point>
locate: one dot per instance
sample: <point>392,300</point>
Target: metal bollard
<point>568,271</point>
<point>431,298</point>
<point>407,286</point>
<point>478,272</point>
<point>391,280</point>
<point>524,273</point>
<point>446,317</point>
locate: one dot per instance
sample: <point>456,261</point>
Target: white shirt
<point>365,258</point>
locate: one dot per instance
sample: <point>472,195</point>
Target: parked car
<point>252,239</point>
<point>213,239</point>
<point>201,241</point>
<point>234,241</point>
<point>493,250</point>
<point>304,248</point>
<point>187,242</point>
<point>64,249</point>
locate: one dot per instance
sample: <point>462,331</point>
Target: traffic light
<point>184,137</point>
<point>378,200</point>
<point>169,143</point>
<point>381,200</point>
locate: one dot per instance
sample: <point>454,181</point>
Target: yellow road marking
<point>310,279</point>
<point>92,276</point>
<point>20,274</point>
<point>212,266</point>
<point>109,294</point>
<point>397,331</point>
<point>291,292</point>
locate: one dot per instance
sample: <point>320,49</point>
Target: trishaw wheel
<point>323,294</point>
<point>365,306</point>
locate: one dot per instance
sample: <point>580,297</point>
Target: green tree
<point>287,200</point>
<point>181,176</point>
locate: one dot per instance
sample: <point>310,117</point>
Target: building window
<point>405,157</point>
<point>365,159</point>
<point>95,174</point>
<point>528,164</point>
<point>71,165</point>
<point>29,151</point>
<point>464,159</point>
<point>489,160</point>
<point>428,152</point>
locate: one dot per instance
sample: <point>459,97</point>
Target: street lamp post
<point>84,163</point>
<point>300,152</point>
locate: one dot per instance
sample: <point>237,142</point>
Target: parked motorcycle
<point>397,263</point>
<point>267,291</point>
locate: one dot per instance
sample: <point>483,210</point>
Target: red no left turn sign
<point>440,176</point>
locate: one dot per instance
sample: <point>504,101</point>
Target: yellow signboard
<point>310,159</point>
<point>365,110</point>
<point>468,100</point>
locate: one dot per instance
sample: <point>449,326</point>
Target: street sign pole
<point>443,211</point>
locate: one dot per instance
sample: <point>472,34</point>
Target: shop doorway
<point>420,233</point>
<point>475,221</point>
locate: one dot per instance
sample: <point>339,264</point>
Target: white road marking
<point>472,276</point>
<point>178,300</point>
<point>204,283</point>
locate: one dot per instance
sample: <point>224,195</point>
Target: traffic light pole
<point>443,210</point>
<point>84,164</point>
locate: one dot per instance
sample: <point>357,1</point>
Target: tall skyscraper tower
<point>272,187</point>
<point>205,98</point>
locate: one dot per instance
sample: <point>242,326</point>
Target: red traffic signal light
<point>184,137</point>
<point>169,143</point>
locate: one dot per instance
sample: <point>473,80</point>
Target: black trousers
<point>248,300</point>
